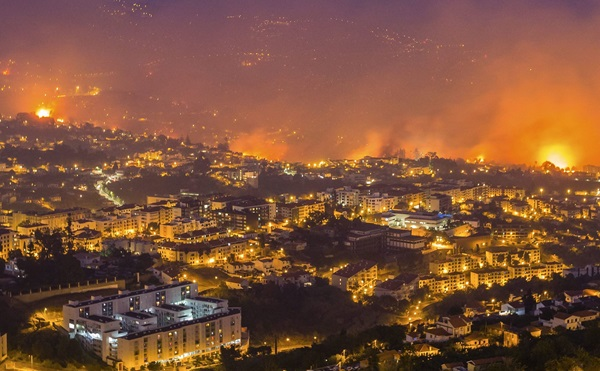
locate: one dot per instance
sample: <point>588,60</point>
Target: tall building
<point>347,196</point>
<point>155,324</point>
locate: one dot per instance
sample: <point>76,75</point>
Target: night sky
<point>512,81</point>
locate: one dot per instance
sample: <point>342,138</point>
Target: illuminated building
<point>438,203</point>
<point>378,202</point>
<point>157,215</point>
<point>347,196</point>
<point>183,225</point>
<point>8,242</point>
<point>263,210</point>
<point>400,288</point>
<point>54,220</point>
<point>113,225</point>
<point>299,211</point>
<point>366,237</point>
<point>509,192</point>
<point>156,324</point>
<point>356,277</point>
<point>489,276</point>
<point>444,284</point>
<point>454,325</point>
<point>512,233</point>
<point>204,253</point>
<point>87,239</point>
<point>202,235</point>
<point>455,263</point>
<point>397,239</point>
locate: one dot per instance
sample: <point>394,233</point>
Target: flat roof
<point>179,325</point>
<point>138,315</point>
<point>101,319</point>
<point>352,269</point>
<point>132,293</point>
<point>174,307</point>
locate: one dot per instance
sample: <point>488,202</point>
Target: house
<point>355,277</point>
<point>282,264</point>
<point>453,366</point>
<point>412,337</point>
<point>586,315</point>
<point>235,267</point>
<point>425,350</point>
<point>512,336</point>
<point>400,288</point>
<point>437,335</point>
<point>167,274</point>
<point>573,297</point>
<point>91,260</point>
<point>388,357</point>
<point>566,320</point>
<point>455,325</point>
<point>264,265</point>
<point>512,307</point>
<point>474,341</point>
<point>236,283</point>
<point>298,277</point>
<point>482,364</point>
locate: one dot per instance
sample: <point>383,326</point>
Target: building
<point>400,288</point>
<point>454,263</point>
<point>566,320</point>
<point>378,202</point>
<point>425,350</point>
<point>397,239</point>
<point>489,276</point>
<point>455,325</point>
<point>512,233</point>
<point>8,242</point>
<point>298,212</point>
<point>87,239</point>
<point>347,197</point>
<point>438,203</point>
<point>366,237</point>
<point>156,324</point>
<point>183,225</point>
<point>411,219</point>
<point>358,278</point>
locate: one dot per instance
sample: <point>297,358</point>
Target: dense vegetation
<point>300,313</point>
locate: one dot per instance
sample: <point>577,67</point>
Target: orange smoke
<point>262,144</point>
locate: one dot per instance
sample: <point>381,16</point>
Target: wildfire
<point>558,155</point>
<point>43,112</point>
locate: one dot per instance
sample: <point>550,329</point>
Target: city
<point>437,254</point>
<point>325,185</point>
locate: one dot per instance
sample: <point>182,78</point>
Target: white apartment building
<point>184,225</point>
<point>347,196</point>
<point>378,202</point>
<point>156,324</point>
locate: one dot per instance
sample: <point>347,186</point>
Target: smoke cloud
<point>512,81</point>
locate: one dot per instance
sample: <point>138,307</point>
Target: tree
<point>69,233</point>
<point>529,302</point>
<point>228,356</point>
<point>49,243</point>
<point>15,254</point>
<point>202,164</point>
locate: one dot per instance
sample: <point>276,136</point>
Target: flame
<point>42,112</point>
<point>558,155</point>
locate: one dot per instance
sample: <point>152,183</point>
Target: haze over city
<point>514,82</point>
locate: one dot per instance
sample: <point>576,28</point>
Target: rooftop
<point>353,269</point>
<point>176,326</point>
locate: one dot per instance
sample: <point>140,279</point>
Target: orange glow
<point>6,72</point>
<point>42,112</point>
<point>557,154</point>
